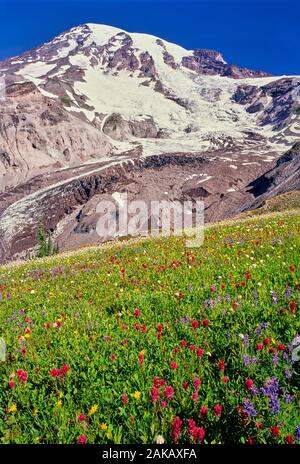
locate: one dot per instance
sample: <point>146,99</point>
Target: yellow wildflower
<point>12,408</point>
<point>108,435</point>
<point>136,395</point>
<point>103,426</point>
<point>35,411</point>
<point>93,410</point>
<point>58,403</point>
<point>27,336</point>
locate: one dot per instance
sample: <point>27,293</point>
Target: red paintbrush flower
<point>205,323</point>
<point>82,440</point>
<point>289,439</point>
<point>275,431</point>
<point>154,394</point>
<point>176,426</point>
<point>22,375</point>
<point>249,384</point>
<point>293,306</point>
<point>204,412</point>
<point>199,353</point>
<point>218,410</point>
<point>169,392</point>
<point>197,383</point>
<point>221,365</point>
<point>195,324</point>
<point>137,312</point>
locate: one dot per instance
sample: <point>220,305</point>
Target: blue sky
<point>259,34</point>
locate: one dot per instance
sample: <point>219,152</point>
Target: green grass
<point>280,203</point>
<point>78,310</point>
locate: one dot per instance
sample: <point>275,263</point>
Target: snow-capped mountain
<point>97,98</point>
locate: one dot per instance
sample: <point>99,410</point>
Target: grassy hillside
<point>126,342</point>
<point>283,202</point>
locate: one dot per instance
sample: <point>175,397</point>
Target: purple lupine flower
<point>254,391</point>
<point>246,360</point>
<point>274,297</point>
<point>255,295</point>
<point>271,389</point>
<point>297,433</point>
<point>211,302</point>
<point>274,404</point>
<point>288,292</point>
<point>289,398</point>
<point>259,331</point>
<point>275,359</point>
<point>270,385</point>
<point>246,340</point>
<point>287,372</point>
<point>254,360</point>
<point>249,408</point>
<point>290,347</point>
<point>227,298</point>
<point>260,328</point>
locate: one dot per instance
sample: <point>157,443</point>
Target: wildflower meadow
<point>148,341</point>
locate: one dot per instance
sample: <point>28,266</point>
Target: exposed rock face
<point>277,104</point>
<point>286,102</point>
<point>245,94</point>
<point>118,129</point>
<point>212,62</point>
<point>284,177</point>
<point>38,134</point>
<point>67,204</point>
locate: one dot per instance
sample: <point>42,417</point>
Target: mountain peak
<point>207,54</point>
